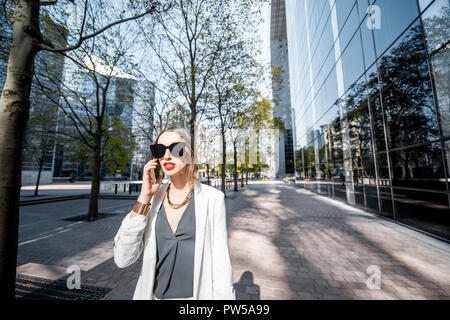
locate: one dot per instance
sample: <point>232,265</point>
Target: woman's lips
<point>169,165</point>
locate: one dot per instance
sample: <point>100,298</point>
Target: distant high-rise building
<point>280,87</point>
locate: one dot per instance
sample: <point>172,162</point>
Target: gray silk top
<point>174,276</point>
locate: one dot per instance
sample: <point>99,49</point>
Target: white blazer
<point>212,262</point>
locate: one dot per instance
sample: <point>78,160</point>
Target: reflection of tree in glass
<point>407,94</point>
<point>408,101</point>
<point>408,110</point>
<point>408,107</point>
<point>437,28</point>
<point>359,126</point>
<point>437,31</point>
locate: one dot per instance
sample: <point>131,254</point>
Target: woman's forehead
<point>169,137</point>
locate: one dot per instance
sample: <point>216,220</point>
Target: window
<point>395,17</point>
<point>441,72</point>
<point>419,167</point>
<point>436,22</point>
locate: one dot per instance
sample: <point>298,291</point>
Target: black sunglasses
<point>176,149</point>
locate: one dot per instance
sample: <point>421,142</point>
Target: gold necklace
<point>179,205</point>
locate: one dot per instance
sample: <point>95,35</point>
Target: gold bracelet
<point>141,208</point>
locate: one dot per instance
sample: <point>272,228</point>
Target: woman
<point>180,228</point>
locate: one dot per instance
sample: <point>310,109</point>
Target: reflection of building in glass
<point>280,87</point>
<point>371,106</point>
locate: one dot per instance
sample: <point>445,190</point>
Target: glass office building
<point>280,88</point>
<point>369,85</point>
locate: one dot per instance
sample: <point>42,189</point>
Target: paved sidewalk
<point>295,244</point>
<point>285,243</point>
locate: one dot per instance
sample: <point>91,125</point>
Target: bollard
<point>129,188</point>
<point>115,188</point>
<point>124,187</point>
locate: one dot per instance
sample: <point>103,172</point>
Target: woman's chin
<point>171,173</point>
<point>175,171</point>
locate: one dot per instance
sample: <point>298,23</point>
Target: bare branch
<point>84,38</point>
<point>47,3</point>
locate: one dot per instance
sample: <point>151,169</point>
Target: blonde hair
<point>192,168</point>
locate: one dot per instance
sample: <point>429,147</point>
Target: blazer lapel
<point>158,201</point>
<point>200,224</point>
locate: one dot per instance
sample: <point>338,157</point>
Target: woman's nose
<point>167,154</point>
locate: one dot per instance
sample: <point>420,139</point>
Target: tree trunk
<point>257,154</point>
<point>235,165</point>
<point>224,159</point>
<point>207,172</point>
<point>246,162</point>
<point>192,127</point>
<point>41,164</point>
<point>95,185</point>
<point>246,174</point>
<point>14,108</point>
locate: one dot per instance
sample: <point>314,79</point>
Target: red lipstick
<point>169,165</point>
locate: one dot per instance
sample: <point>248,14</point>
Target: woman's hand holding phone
<point>150,184</point>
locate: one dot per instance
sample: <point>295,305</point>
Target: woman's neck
<point>179,183</point>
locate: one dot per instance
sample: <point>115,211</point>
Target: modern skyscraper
<point>280,87</point>
<point>370,93</point>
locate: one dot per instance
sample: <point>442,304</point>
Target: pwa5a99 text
<point>243,309</point>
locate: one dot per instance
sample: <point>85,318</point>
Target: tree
<point>231,88</point>
<point>94,91</point>
<point>234,79</point>
<point>117,147</point>
<point>258,116</point>
<point>39,140</point>
<point>27,41</point>
<point>191,37</point>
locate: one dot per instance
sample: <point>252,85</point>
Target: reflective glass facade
<point>370,98</point>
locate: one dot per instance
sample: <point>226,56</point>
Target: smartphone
<point>156,172</point>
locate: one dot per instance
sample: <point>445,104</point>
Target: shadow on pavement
<point>246,289</point>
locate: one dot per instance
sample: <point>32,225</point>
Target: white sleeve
<point>128,242</point>
<point>221,261</point>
